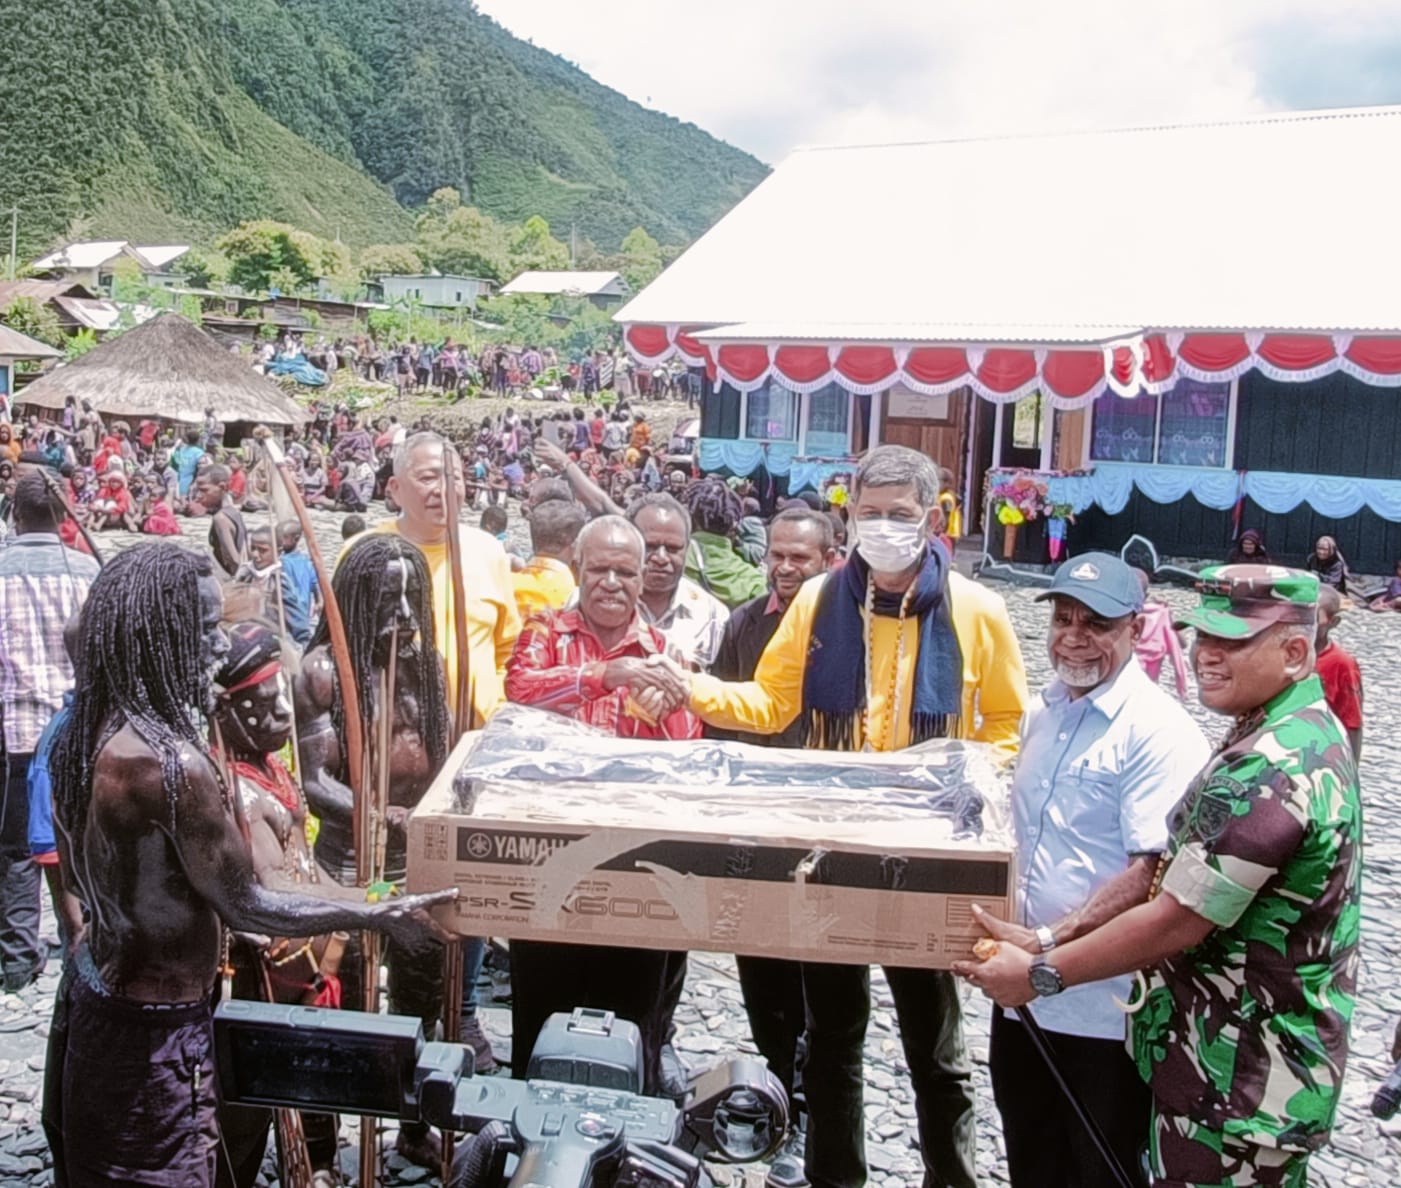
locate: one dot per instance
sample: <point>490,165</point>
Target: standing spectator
<point>641,431</point>
<point>800,547</point>
<point>596,429</point>
<point>185,458</point>
<point>937,658</point>
<point>1104,756</point>
<point>297,565</point>
<point>712,560</point>
<point>1337,669</point>
<point>547,581</point>
<point>42,585</point>
<point>213,431</point>
<point>691,620</point>
<point>228,535</point>
<point>1250,948</point>
<point>615,433</point>
<point>1157,640</point>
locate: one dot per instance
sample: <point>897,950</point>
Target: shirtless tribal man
<point>254,721</point>
<point>382,588</point>
<point>149,843</point>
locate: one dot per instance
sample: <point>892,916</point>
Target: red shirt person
<point>1337,669</point>
<point>598,664</point>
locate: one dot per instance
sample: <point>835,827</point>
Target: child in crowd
<point>1158,641</point>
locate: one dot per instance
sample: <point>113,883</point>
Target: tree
<point>259,250</point>
<point>461,239</point>
<point>642,259</point>
<point>534,247</point>
<point>390,259</point>
<point>27,316</point>
<point>203,270</point>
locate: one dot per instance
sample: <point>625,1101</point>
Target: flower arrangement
<point>1018,496</point>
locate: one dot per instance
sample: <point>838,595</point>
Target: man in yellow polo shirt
<point>492,626</point>
<point>492,620</point>
<point>891,650</point>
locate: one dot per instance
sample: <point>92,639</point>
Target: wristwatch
<point>1045,938</point>
<point>1045,978</point>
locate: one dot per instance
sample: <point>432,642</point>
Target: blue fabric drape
<point>745,457</point>
<point>1110,485</point>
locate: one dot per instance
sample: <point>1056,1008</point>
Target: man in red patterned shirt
<point>597,664</point>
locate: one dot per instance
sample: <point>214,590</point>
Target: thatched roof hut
<point>169,368</point>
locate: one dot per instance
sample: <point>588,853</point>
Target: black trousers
<point>21,881</point>
<point>632,983</point>
<point>1047,1146</point>
<point>773,1000</point>
<point>931,1032</point>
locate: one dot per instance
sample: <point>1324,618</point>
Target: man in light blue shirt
<point>1105,756</point>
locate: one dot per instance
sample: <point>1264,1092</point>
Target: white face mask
<point>889,546</point>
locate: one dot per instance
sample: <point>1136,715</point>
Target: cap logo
<point>1085,573</point>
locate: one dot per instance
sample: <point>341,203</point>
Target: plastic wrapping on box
<point>546,767</point>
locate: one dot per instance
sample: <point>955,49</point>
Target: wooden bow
<point>340,644</point>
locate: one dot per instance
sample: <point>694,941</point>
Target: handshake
<point>657,686</point>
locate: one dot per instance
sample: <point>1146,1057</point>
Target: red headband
<point>257,678</point>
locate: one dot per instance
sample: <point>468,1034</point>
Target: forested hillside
<point>161,119</point>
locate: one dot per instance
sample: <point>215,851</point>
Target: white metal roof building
<point>1068,268</point>
<point>570,284</point>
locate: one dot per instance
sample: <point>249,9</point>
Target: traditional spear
<point>453,972</point>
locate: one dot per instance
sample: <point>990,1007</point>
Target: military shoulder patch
<point>1215,805</point>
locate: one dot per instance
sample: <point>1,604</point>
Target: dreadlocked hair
<point>358,584</point>
<point>138,664</point>
<point>713,507</point>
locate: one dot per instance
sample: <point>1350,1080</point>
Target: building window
<point>828,432</point>
<point>459,297</point>
<point>1187,426</point>
<point>771,414</point>
<point>1026,423</point>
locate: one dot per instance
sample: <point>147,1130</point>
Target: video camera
<point>579,1120</point>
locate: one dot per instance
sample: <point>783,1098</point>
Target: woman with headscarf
<point>1249,550</point>
<point>1328,563</point>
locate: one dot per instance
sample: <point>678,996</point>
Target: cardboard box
<point>663,866</point>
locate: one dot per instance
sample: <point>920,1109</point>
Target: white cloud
<point>768,75</point>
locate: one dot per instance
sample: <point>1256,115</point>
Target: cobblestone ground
<point>712,1024</point>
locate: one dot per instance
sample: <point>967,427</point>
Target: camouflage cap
<point>1240,601</point>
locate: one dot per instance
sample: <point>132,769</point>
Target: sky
<point>772,75</point>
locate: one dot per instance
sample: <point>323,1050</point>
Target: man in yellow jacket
<point>890,650</point>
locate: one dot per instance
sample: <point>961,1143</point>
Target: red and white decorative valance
<point>1070,377</point>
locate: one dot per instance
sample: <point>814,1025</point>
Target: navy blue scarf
<point>834,684</point>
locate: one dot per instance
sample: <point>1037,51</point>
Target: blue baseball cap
<point>1106,584</point>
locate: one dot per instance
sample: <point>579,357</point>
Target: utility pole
<point>14,239</point>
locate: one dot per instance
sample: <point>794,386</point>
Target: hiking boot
<point>788,1168</point>
<point>483,1059</point>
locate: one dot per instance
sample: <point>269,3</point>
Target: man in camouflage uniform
<point>1251,947</point>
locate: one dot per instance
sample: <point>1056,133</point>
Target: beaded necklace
<point>892,716</point>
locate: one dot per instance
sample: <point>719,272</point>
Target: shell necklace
<point>892,701</point>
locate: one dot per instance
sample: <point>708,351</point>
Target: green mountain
<point>168,119</point>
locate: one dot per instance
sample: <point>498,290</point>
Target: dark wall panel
<point>1335,425</point>
<point>1187,529</point>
